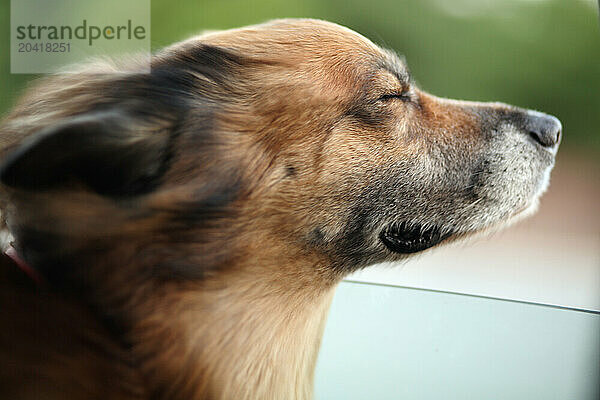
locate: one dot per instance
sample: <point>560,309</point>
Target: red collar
<point>19,262</point>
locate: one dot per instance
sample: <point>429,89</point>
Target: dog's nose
<point>543,128</point>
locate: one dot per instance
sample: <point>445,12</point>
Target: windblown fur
<point>190,224</point>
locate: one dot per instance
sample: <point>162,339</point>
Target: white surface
<point>393,343</point>
<point>551,258</point>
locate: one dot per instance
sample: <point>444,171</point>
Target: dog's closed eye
<point>395,87</point>
<point>404,95</point>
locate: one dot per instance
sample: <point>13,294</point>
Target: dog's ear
<point>108,152</point>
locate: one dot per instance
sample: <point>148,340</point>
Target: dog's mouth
<point>405,239</point>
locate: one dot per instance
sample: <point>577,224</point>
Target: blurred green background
<point>541,54</point>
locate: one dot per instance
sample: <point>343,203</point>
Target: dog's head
<point>297,133</point>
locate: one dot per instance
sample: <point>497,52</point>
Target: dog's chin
<point>403,238</point>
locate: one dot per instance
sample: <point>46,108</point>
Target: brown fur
<point>192,251</point>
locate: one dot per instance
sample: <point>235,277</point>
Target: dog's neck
<point>247,328</point>
<point>252,332</point>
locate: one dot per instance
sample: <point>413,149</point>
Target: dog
<point>179,234</point>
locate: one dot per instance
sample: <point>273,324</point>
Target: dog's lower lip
<point>405,239</point>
